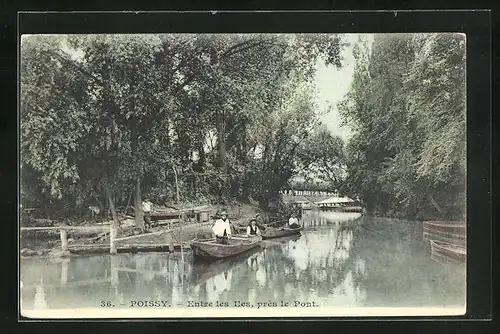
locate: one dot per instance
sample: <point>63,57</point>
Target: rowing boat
<point>447,232</point>
<point>442,251</point>
<point>210,249</point>
<point>270,233</point>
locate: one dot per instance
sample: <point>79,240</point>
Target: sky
<point>332,85</point>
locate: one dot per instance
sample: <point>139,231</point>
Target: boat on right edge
<point>447,240</point>
<point>452,232</point>
<point>445,252</point>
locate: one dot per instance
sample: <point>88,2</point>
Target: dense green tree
<point>105,115</point>
<point>406,107</point>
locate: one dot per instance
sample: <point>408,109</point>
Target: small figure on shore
<point>252,228</point>
<point>146,209</point>
<point>293,222</point>
<point>222,229</point>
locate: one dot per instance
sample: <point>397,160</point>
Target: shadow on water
<point>202,271</point>
<point>339,259</point>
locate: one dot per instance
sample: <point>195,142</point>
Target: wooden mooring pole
<point>64,271</point>
<point>64,239</point>
<point>114,264</point>
<point>112,239</point>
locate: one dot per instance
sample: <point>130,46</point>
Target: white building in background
<point>291,192</point>
<point>337,202</point>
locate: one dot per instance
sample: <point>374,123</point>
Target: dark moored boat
<point>209,249</point>
<point>270,233</point>
<point>444,231</point>
<point>445,252</point>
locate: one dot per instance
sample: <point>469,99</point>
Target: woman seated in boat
<point>293,222</point>
<point>222,229</point>
<point>252,228</point>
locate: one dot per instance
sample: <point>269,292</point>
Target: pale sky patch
<point>333,84</point>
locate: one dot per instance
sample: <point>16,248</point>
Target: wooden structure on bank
<point>198,214</point>
<point>63,231</point>
<point>116,244</point>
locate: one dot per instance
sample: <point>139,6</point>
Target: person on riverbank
<point>146,209</point>
<point>252,228</point>
<point>222,229</point>
<point>293,222</point>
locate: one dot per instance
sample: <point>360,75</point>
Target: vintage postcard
<point>242,175</point>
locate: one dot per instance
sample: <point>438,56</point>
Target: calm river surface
<point>337,261</point>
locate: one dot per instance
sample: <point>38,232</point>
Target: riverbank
<point>166,232</point>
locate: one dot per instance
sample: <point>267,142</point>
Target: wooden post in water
<point>64,239</point>
<point>64,271</point>
<point>114,265</point>
<point>181,214</point>
<point>112,236</point>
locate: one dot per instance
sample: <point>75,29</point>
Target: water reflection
<point>40,303</point>
<point>337,261</point>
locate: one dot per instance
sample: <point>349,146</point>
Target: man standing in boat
<point>222,229</point>
<point>293,222</point>
<point>252,228</point>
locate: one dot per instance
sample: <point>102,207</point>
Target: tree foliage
<point>406,107</point>
<point>105,116</point>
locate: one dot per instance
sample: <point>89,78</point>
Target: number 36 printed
<point>106,303</point>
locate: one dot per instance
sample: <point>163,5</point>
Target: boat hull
<point>208,249</point>
<point>271,233</point>
<point>205,270</point>
<point>447,232</point>
<point>445,252</point>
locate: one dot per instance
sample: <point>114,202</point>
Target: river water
<point>339,260</point>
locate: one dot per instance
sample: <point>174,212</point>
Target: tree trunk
<point>138,216</point>
<point>241,148</point>
<point>214,63</point>
<point>201,155</point>
<point>99,203</point>
<point>114,226</point>
<point>435,204</point>
<point>116,221</point>
<point>222,154</point>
